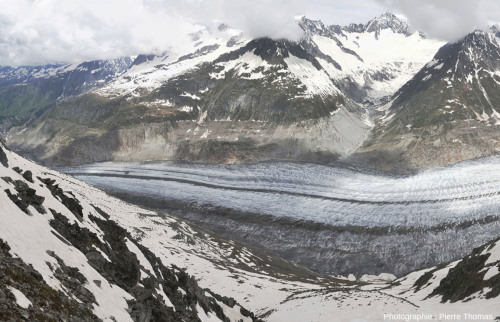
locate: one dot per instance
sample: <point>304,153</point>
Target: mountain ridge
<point>448,112</point>
<point>323,98</point>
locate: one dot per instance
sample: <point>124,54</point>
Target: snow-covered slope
<point>101,71</point>
<point>12,75</point>
<point>104,258</point>
<point>28,89</point>
<point>377,58</point>
<point>86,267</point>
<point>149,72</point>
<point>233,56</point>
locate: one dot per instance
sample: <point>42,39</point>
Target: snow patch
<point>21,299</point>
<point>140,256</point>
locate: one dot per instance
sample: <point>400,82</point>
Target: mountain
<point>28,88</point>
<point>71,252</point>
<point>225,98</point>
<point>448,112</point>
<point>245,99</point>
<point>373,60</point>
<point>387,20</point>
<point>371,94</point>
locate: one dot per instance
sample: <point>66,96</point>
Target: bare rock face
<point>3,158</point>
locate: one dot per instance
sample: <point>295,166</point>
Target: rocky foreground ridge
<point>64,259</point>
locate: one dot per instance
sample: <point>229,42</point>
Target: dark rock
<point>96,259</point>
<point>142,59</point>
<point>35,274</point>
<point>140,293</point>
<point>72,204</point>
<point>25,314</point>
<point>3,158</point>
<point>8,180</point>
<point>467,278</point>
<point>26,197</point>
<point>28,175</point>
<point>101,212</point>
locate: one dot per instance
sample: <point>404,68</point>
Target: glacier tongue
<point>330,195</point>
<point>342,220</point>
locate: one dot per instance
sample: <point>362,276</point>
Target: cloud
<point>343,12</point>
<point>36,32</point>
<point>446,19</point>
<point>258,18</point>
<point>50,31</point>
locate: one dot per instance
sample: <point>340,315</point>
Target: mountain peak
<point>495,29</point>
<point>479,35</point>
<point>388,16</point>
<point>311,26</point>
<point>481,41</point>
<point>387,20</point>
<point>317,27</point>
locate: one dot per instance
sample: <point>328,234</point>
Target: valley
<point>348,173</point>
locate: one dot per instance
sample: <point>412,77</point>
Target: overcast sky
<point>51,31</point>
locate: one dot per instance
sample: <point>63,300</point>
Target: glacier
<point>333,219</point>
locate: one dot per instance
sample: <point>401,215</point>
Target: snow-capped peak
<point>479,39</point>
<point>317,27</point>
<point>387,20</point>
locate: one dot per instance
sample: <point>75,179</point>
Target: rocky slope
<point>225,98</point>
<point>65,259</point>
<point>448,112</point>
<point>26,91</point>
<point>69,251</point>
